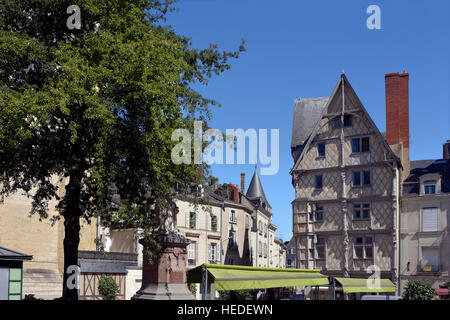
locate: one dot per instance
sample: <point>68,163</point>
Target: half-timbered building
<point>346,179</point>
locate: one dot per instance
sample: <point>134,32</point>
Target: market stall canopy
<point>226,277</point>
<point>350,285</point>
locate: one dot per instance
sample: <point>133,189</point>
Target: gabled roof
<point>304,121</point>
<point>255,191</point>
<point>8,254</point>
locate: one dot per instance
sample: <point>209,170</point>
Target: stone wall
<point>42,240</point>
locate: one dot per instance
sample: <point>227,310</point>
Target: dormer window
<point>430,184</point>
<point>429,187</point>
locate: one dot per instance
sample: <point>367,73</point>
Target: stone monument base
<point>165,279</point>
<point>164,291</point>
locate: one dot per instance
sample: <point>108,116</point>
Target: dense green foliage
<point>235,295</point>
<point>108,288</point>
<point>87,114</point>
<point>418,290</point>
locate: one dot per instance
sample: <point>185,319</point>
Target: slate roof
<point>418,168</point>
<point>110,262</point>
<point>8,254</point>
<point>255,191</point>
<point>307,112</point>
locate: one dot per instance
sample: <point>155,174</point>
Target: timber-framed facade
<point>346,180</point>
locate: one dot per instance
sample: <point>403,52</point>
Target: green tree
<point>418,290</point>
<point>108,288</point>
<point>88,113</point>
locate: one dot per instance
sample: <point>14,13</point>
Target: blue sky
<point>299,49</point>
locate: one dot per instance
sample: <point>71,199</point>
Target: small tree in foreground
<point>418,290</point>
<point>108,288</point>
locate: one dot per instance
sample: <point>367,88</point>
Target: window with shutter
<point>209,221</point>
<point>197,221</point>
<point>191,253</point>
<point>429,219</point>
<point>209,252</point>
<point>187,216</point>
<point>213,222</point>
<point>219,253</point>
<point>193,220</point>
<point>213,253</point>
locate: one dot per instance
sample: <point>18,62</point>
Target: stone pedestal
<point>165,279</point>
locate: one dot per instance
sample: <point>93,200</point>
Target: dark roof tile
<point>307,112</point>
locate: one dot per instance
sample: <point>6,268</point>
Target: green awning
<point>366,285</point>
<point>226,277</point>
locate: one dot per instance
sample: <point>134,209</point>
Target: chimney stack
<point>233,193</point>
<point>243,183</point>
<point>446,151</point>
<point>397,116</point>
<point>397,108</point>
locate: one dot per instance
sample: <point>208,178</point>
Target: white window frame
<point>363,245</point>
<point>429,183</point>
<point>196,222</point>
<point>192,248</point>
<point>209,222</point>
<point>213,255</point>
<point>233,217</point>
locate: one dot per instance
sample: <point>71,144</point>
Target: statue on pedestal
<point>165,278</point>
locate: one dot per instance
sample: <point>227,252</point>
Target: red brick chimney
<point>397,108</point>
<point>397,116</point>
<point>243,183</point>
<point>233,193</point>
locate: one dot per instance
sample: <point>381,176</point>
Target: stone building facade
<point>42,276</point>
<point>346,179</point>
<point>425,217</point>
<point>291,253</point>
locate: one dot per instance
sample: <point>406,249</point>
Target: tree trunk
<point>71,214</point>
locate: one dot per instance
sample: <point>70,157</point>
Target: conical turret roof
<point>255,190</point>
